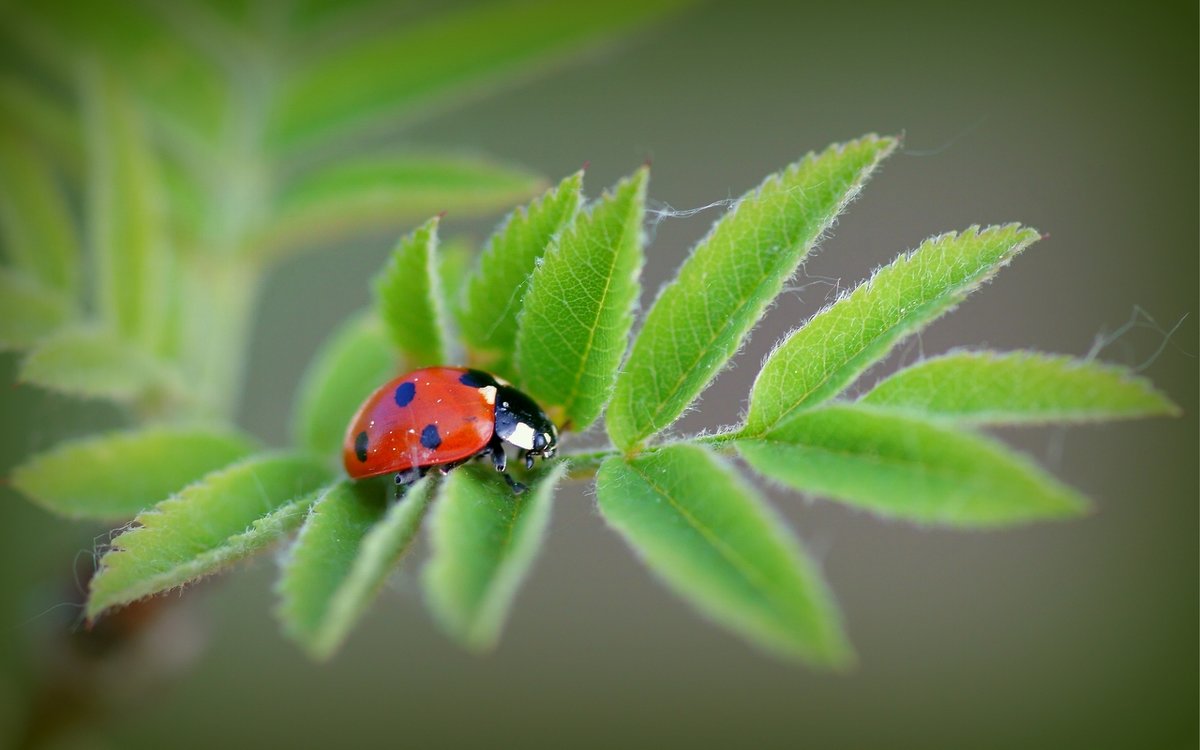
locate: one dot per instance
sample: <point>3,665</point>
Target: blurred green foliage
<point>205,142</point>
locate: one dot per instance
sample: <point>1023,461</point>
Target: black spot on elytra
<point>430,437</point>
<point>360,446</point>
<point>405,393</point>
<point>476,379</point>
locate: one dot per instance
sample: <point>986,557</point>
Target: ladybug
<point>443,417</point>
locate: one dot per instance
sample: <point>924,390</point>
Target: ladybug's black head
<point>520,421</point>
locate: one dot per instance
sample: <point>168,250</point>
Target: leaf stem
<point>584,464</point>
<point>221,296</point>
<point>219,300</point>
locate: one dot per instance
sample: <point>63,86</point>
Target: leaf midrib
<point>825,220</point>
<point>999,418</point>
<point>744,568</point>
<point>943,472</point>
<point>743,304</point>
<point>956,295</point>
<point>569,402</point>
<point>503,550</point>
<point>188,571</point>
<point>342,609</point>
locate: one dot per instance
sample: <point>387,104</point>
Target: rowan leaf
<point>383,192</point>
<point>93,363</point>
<point>126,215</point>
<point>227,515</point>
<point>825,355</point>
<point>350,542</point>
<point>484,540</point>
<point>409,298</point>
<point>35,221</point>
<point>185,90</point>
<point>403,70</point>
<point>353,362</point>
<point>497,285</point>
<point>29,312</point>
<point>573,328</point>
<point>455,256</point>
<point>1019,388</point>
<point>713,541</point>
<point>904,467</point>
<point>116,475</point>
<point>701,318</point>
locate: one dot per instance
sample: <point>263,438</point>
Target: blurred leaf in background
<point>208,141</point>
<point>157,160</point>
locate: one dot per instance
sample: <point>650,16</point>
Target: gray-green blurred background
<point>1078,119</point>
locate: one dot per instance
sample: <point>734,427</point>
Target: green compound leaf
<point>404,70</point>
<point>347,547</point>
<point>495,289</point>
<point>712,540</point>
<point>385,192</point>
<point>409,299</point>
<point>93,363</point>
<point>818,360</point>
<point>116,475</point>
<point>701,318</point>
<point>903,467</point>
<point>224,517</point>
<point>125,214</point>
<point>35,221</point>
<point>573,328</point>
<point>356,360</point>
<point>28,311</point>
<point>484,539</point>
<point>1019,388</point>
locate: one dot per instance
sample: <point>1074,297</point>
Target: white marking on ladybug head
<point>522,436</point>
<point>489,394</point>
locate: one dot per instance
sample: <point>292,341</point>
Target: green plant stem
<point>221,284</point>
<point>584,464</point>
<point>218,303</point>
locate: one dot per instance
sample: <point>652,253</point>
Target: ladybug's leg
<point>517,487</point>
<point>528,460</point>
<point>444,469</point>
<point>500,462</point>
<point>499,458</point>
<point>409,476</point>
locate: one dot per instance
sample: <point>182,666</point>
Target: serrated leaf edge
<point>641,176</point>
<point>1127,376</point>
<point>948,304</point>
<point>890,144</point>
<point>216,555</point>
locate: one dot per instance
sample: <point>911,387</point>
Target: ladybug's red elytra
<point>441,417</point>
